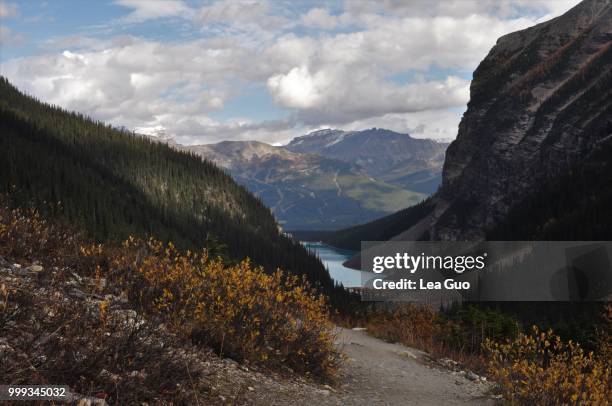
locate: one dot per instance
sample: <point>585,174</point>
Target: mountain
<point>306,191</point>
<point>113,184</point>
<point>532,156</point>
<point>541,102</point>
<point>411,163</point>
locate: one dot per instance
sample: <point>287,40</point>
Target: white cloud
<point>438,124</point>
<point>298,88</point>
<point>153,9</point>
<point>236,12</point>
<point>393,64</point>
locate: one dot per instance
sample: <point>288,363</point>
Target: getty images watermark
<point>446,272</point>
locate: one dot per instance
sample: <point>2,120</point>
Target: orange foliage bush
<point>408,324</point>
<point>540,368</point>
<point>239,310</point>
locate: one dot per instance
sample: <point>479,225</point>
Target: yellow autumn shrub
<point>541,369</point>
<point>239,310</point>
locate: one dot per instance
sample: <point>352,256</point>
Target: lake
<point>333,258</point>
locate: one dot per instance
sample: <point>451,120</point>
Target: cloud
<point>153,9</point>
<point>320,18</point>
<point>343,77</point>
<point>235,12</point>
<point>8,10</point>
<point>338,95</point>
<point>391,64</point>
<point>438,124</point>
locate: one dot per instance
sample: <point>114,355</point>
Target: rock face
<point>540,102</point>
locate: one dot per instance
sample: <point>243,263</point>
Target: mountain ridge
<point>308,189</point>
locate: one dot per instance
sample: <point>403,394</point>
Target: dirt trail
<point>377,373</point>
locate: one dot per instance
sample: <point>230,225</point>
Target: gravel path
<point>381,373</point>
<point>374,373</point>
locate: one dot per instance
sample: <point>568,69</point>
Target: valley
<point>185,189</point>
<point>320,182</point>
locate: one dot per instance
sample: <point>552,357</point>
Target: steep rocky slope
<point>540,102</point>
<point>540,110</point>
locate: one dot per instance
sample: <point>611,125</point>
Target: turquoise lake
<point>333,258</point>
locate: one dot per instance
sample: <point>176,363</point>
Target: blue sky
<point>206,71</point>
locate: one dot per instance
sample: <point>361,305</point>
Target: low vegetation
<point>541,368</point>
<point>536,368</point>
<point>239,310</point>
<point>136,321</point>
<point>456,333</point>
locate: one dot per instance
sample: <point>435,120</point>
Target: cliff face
<point>541,102</point>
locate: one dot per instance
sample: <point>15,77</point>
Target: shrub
<point>135,322</point>
<point>457,333</point>
<point>239,310</point>
<point>408,324</point>
<point>540,368</point>
<point>47,337</point>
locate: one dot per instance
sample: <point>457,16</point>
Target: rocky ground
<point>374,372</point>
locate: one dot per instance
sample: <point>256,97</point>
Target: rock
<point>359,328</point>
<point>323,392</point>
<point>138,375</point>
<point>472,376</point>
<point>35,268</point>
<point>251,388</point>
<point>91,402</point>
<point>448,363</point>
<point>110,376</point>
<point>77,293</point>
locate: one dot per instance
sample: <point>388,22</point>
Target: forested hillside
<point>382,229</point>
<point>114,184</point>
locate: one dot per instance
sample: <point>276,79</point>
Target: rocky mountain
<point>541,101</point>
<point>399,159</point>
<point>304,190</point>
<point>539,118</point>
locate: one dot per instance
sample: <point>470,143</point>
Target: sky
<point>208,71</point>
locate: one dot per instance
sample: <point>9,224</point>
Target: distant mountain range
<point>331,179</point>
<point>411,163</point>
